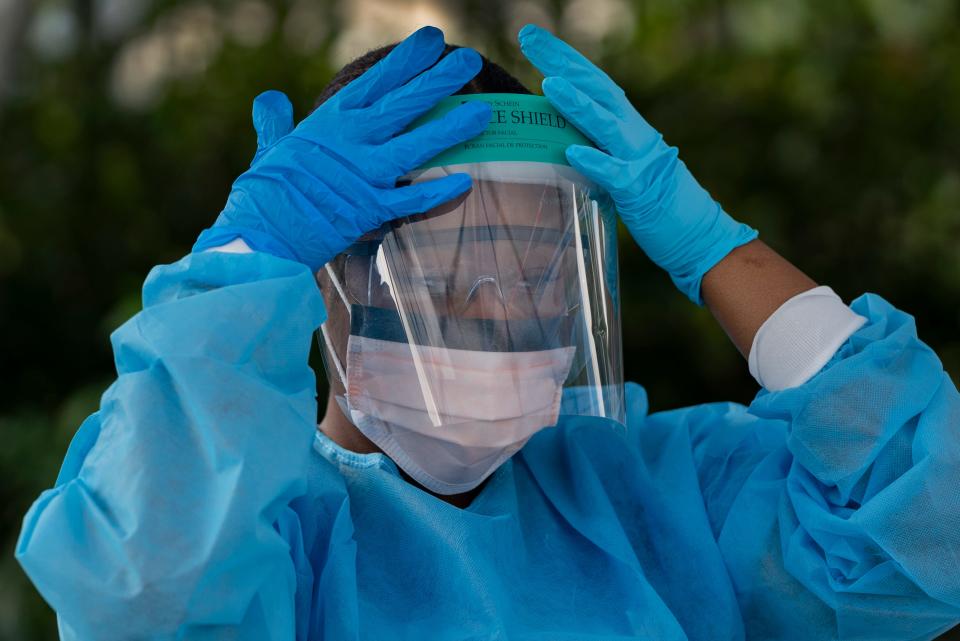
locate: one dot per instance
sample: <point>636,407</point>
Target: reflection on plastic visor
<point>484,272</point>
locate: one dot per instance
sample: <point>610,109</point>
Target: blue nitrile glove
<point>673,219</point>
<point>313,190</point>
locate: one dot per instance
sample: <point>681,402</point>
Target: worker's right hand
<point>314,189</point>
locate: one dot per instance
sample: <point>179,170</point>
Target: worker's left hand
<point>673,219</point>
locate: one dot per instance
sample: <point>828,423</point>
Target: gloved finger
<point>417,52</point>
<point>611,174</point>
<point>554,57</point>
<point>398,108</point>
<point>592,119</point>
<point>272,117</point>
<point>412,149</point>
<point>422,197</point>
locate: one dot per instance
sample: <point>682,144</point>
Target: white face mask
<point>450,417</point>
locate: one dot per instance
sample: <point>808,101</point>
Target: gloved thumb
<point>272,118</point>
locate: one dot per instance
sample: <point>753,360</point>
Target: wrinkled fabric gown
<point>200,501</point>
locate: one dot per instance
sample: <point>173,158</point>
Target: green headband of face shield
<point>523,128</point>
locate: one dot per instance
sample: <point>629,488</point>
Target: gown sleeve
<point>171,515</point>
<point>836,504</point>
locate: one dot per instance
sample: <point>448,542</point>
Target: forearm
<point>746,287</point>
<point>870,493</point>
<point>174,487</point>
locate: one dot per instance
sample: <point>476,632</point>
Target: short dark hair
<point>492,78</point>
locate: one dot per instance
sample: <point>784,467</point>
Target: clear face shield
<point>455,335</point>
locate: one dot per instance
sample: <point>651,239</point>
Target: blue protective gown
<point>200,502</point>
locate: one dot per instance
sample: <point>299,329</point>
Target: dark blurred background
<point>833,127</point>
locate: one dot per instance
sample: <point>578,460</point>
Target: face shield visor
<point>455,335</point>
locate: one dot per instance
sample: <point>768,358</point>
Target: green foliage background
<point>833,127</point>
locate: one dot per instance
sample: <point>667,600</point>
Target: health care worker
<point>479,473</point>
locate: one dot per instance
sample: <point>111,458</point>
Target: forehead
<point>500,204</point>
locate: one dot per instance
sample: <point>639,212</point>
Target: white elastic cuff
<point>235,246</point>
<point>800,338</point>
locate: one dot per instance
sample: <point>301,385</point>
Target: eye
<point>528,284</point>
<point>538,280</point>
<point>435,285</point>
